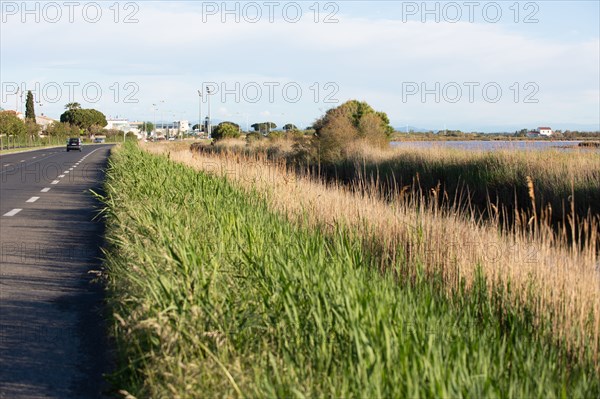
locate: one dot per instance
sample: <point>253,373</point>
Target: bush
<point>252,137</point>
<point>275,135</point>
<point>349,122</point>
<point>225,130</point>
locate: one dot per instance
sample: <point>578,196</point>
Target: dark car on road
<point>74,144</point>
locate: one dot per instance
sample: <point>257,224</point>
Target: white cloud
<point>170,52</point>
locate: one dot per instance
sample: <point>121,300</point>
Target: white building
<point>171,129</point>
<point>126,126</point>
<point>118,124</point>
<point>44,121</point>
<point>545,131</point>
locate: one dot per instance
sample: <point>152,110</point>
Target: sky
<point>468,65</point>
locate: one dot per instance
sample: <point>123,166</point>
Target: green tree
<point>225,130</point>
<point>72,106</point>
<point>85,119</point>
<point>521,133</point>
<point>62,130</point>
<point>29,110</point>
<point>147,127</point>
<point>33,129</point>
<point>289,126</point>
<point>11,126</point>
<point>264,127</point>
<point>355,111</point>
<point>351,121</point>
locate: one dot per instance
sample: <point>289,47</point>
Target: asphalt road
<point>52,338</point>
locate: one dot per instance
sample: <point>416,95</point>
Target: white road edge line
<point>33,199</point>
<point>45,190</point>
<point>13,212</point>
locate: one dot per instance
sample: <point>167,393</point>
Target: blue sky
<point>497,66</point>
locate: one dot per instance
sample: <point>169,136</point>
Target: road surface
<point>52,337</point>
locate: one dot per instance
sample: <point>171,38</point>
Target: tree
<point>147,127</point>
<point>11,125</point>
<point>264,127</point>
<point>62,130</point>
<point>355,111</point>
<point>334,135</point>
<point>33,129</point>
<point>110,133</point>
<point>29,110</point>
<point>351,121</point>
<point>521,133</point>
<point>289,127</point>
<point>225,130</point>
<point>85,119</point>
<point>73,106</point>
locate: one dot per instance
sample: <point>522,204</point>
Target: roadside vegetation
<point>242,278</point>
<point>497,184</point>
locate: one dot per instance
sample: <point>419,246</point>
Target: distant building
<point>126,126</point>
<point>44,121</point>
<point>173,128</point>
<point>545,131</point>
<point>118,124</point>
<point>533,134</point>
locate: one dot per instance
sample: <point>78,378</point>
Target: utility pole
<point>154,105</point>
<point>209,121</point>
<point>162,118</point>
<point>200,124</point>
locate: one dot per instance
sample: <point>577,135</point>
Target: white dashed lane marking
<point>55,182</point>
<point>61,176</point>
<point>45,190</point>
<point>13,212</point>
<point>33,199</point>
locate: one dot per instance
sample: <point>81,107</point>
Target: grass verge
<point>214,294</point>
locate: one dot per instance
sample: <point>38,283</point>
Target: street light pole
<point>154,105</point>
<point>209,120</point>
<point>200,124</point>
<point>162,118</point>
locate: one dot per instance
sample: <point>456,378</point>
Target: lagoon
<point>493,144</point>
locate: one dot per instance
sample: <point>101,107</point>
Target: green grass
<point>214,295</point>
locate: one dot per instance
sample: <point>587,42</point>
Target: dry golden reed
<point>543,271</point>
